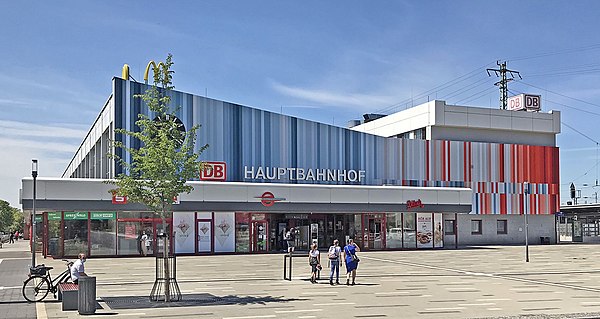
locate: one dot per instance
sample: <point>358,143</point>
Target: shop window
<point>449,227</point>
<point>54,239</point>
<point>476,227</point>
<point>76,233</point>
<point>394,230</point>
<point>502,227</point>
<point>409,230</point>
<point>103,241</point>
<point>242,232</point>
<point>129,237</point>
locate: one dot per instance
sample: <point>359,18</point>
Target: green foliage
<point>11,218</point>
<point>166,159</point>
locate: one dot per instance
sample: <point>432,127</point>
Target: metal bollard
<point>87,295</point>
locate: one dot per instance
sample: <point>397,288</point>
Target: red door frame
<point>365,227</point>
<point>254,235</point>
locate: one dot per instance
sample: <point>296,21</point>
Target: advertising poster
<point>224,232</point>
<point>204,236</point>
<point>184,232</point>
<point>438,232</point>
<point>130,231</point>
<point>424,230</point>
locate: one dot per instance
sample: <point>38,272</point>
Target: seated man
<point>78,270</point>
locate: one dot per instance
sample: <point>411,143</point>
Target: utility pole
<point>503,83</point>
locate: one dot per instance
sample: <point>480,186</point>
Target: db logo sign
<point>214,171</point>
<point>119,200</point>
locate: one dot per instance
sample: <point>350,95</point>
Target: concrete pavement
<point>466,283</point>
<point>14,262</point>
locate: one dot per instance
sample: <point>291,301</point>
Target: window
<point>476,227</point>
<point>502,226</point>
<point>449,227</point>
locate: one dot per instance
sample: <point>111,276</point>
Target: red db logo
<point>214,171</point>
<point>268,199</point>
<point>119,199</point>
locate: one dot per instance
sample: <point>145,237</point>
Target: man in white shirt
<point>334,254</point>
<point>78,270</point>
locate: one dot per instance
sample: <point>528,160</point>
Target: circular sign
<point>266,199</point>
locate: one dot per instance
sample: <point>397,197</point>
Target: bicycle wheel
<point>36,288</point>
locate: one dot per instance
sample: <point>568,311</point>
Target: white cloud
<point>360,101</point>
<point>53,145</point>
<point>16,128</point>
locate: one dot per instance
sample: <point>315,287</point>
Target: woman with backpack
<point>314,260</point>
<point>351,260</point>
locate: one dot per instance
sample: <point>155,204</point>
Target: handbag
<point>355,258</point>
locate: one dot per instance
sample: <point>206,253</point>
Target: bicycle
<point>40,282</point>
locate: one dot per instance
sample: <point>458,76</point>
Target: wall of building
<point>472,124</point>
<point>248,139</point>
<point>490,135</point>
<point>539,226</point>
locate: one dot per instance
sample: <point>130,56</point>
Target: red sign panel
<point>268,199</point>
<point>119,200</point>
<point>214,171</point>
<point>414,204</point>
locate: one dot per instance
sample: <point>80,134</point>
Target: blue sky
<point>325,61</point>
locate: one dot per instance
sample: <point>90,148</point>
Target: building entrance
<point>374,232</point>
<point>259,236</point>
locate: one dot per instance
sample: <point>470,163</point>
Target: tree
<point>166,159</point>
<point>11,218</point>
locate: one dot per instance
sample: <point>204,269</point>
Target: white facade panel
<point>226,193</point>
<point>349,195</point>
<point>310,195</point>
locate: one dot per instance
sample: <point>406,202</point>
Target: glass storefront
<point>103,240</point>
<point>134,233</point>
<point>75,233</point>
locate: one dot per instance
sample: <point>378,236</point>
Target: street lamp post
<point>526,191</point>
<point>34,173</point>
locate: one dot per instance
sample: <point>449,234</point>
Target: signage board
<point>214,171</point>
<point>104,215</point>
<point>54,216</point>
<point>76,215</point>
<point>523,101</point>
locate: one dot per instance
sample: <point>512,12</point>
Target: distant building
<point>433,176</point>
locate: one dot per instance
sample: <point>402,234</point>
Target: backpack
<point>333,253</point>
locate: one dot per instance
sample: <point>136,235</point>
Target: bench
<point>67,293</point>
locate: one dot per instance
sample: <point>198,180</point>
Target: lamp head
<point>34,168</point>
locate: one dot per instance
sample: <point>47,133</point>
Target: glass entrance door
<point>374,233</point>
<point>260,231</point>
<point>204,234</point>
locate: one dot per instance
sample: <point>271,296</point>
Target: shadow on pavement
<point>190,300</point>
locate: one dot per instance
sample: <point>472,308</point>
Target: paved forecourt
<point>14,267</point>
<point>466,283</point>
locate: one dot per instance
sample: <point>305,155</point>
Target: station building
<point>432,176</point>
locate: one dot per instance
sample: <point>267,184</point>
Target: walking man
<point>334,261</point>
<point>12,238</point>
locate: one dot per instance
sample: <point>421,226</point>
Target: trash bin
<point>87,295</point>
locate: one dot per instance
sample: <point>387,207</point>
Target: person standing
<point>78,269</point>
<point>314,260</point>
<point>335,251</point>
<point>144,243</point>
<point>290,239</point>
<point>16,235</point>
<point>351,261</point>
